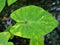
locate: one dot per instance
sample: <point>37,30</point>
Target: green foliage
<point>2,4</point>
<point>32,22</point>
<point>39,22</point>
<point>11,1</point>
<point>4,37</point>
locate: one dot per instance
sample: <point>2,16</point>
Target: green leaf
<point>11,2</point>
<point>4,37</point>
<point>39,41</point>
<point>32,22</point>
<point>2,4</point>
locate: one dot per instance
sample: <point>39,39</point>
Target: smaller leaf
<point>11,2</point>
<point>4,37</point>
<point>2,4</point>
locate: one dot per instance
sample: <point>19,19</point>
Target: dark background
<point>52,6</point>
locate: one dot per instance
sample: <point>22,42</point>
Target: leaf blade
<point>39,22</point>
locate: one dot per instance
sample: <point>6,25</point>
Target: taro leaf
<point>4,37</point>
<point>2,4</point>
<point>32,22</point>
<point>39,41</point>
<point>11,1</point>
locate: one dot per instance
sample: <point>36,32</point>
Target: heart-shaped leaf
<point>32,22</point>
<point>2,4</point>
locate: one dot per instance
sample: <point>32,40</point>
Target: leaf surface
<point>4,37</point>
<point>39,41</point>
<point>32,21</point>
